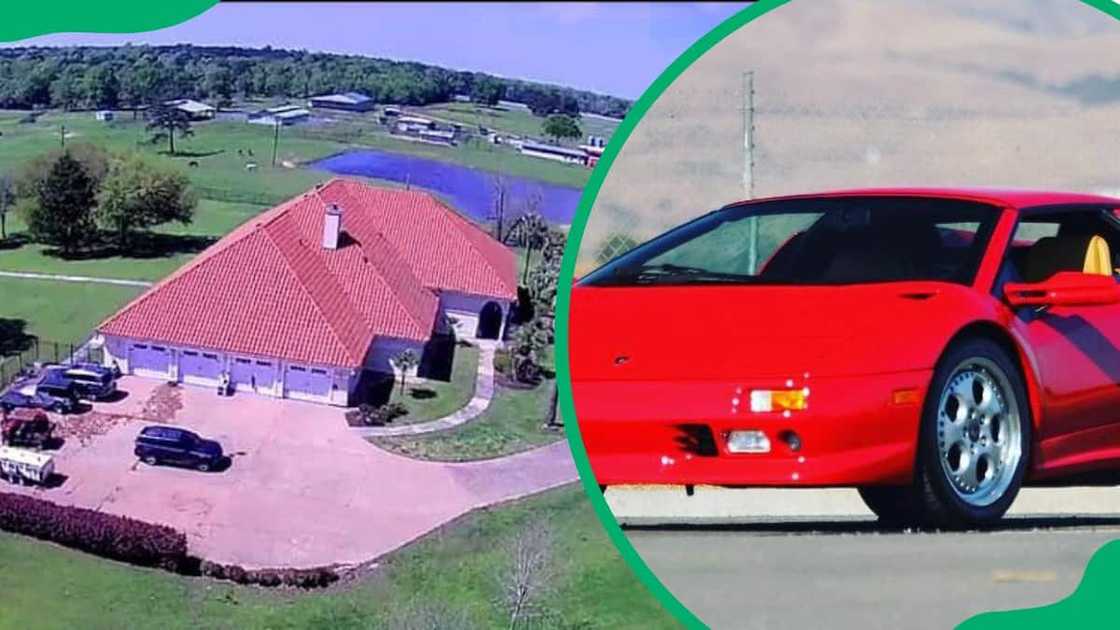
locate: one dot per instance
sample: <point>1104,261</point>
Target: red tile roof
<point>269,288</point>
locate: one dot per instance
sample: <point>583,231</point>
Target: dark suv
<point>172,445</point>
<point>91,383</point>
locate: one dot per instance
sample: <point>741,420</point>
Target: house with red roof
<point>308,299</point>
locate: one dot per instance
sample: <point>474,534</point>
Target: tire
<point>975,437</point>
<point>58,408</point>
<point>894,505</point>
<point>151,460</point>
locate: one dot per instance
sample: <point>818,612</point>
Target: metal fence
<point>39,351</point>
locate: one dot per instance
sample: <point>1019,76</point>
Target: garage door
<point>307,383</point>
<point>199,368</point>
<point>252,375</point>
<point>149,360</point>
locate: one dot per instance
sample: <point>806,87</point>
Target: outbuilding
<point>194,109</point>
<point>313,298</point>
<point>346,101</point>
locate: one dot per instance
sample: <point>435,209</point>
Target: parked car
<point>27,428</point>
<point>935,348</point>
<point>97,383</point>
<point>34,396</point>
<point>172,445</point>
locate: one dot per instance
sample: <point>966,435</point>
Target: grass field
<point>60,311</point>
<point>455,571</point>
<point>512,423</point>
<point>174,244</point>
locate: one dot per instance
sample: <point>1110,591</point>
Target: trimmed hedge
<point>108,535</point>
<point>136,542</point>
<point>299,578</point>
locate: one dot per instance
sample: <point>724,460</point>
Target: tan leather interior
<point>1088,253</point>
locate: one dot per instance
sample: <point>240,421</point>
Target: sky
<point>614,48</point>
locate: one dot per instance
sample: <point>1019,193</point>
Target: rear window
<point>814,241</point>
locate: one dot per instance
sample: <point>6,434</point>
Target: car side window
<point>1044,243</point>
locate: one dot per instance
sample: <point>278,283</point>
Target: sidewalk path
<point>61,278</point>
<point>483,394</point>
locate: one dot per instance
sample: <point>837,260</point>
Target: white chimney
<point>332,226</point>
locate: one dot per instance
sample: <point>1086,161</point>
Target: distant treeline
<point>80,77</point>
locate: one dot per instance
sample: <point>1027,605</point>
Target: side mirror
<point>1065,288</point>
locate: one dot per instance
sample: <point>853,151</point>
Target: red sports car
<point>936,348</point>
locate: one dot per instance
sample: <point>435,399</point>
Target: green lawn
<point>433,399</point>
<point>60,311</point>
<point>455,570</point>
<point>512,423</point>
<point>212,220</point>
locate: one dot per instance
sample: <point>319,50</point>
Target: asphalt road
<point>769,569</point>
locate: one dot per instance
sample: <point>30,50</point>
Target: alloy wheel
<point>978,432</point>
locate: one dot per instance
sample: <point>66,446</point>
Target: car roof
<point>158,429</point>
<point>54,377</point>
<point>1008,197</point>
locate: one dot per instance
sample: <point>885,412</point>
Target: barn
<point>312,298</point>
<point>347,101</point>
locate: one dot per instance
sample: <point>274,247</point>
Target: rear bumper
<point>852,433</point>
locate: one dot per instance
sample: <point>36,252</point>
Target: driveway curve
<point>303,489</point>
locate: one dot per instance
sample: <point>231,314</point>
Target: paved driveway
<point>302,490</point>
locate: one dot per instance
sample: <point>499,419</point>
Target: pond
<point>470,190</point>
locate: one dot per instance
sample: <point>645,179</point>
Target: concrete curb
<point>64,278</point>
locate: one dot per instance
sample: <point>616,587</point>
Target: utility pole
<point>62,136</point>
<point>275,141</point>
<point>748,168</point>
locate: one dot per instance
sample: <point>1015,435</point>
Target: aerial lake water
<point>470,190</point>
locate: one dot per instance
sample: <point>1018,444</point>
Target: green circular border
<point>567,272</point>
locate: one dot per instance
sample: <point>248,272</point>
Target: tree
<point>544,280</point>
<point>487,90</point>
<point>142,82</point>
<point>7,197</point>
<point>218,84</point>
<point>527,346</point>
<point>101,87</point>
<point>530,231</point>
<point>137,195</point>
<point>561,127</point>
<point>501,192</point>
<point>528,577</point>
<point>405,361</point>
<point>63,215</point>
<point>165,121</point>
<point>93,159</point>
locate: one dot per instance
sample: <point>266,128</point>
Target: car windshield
<point>811,241</point>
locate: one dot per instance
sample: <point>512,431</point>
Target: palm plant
<point>532,232</point>
<point>403,362</point>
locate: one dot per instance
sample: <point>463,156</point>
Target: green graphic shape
<point>28,19</point>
